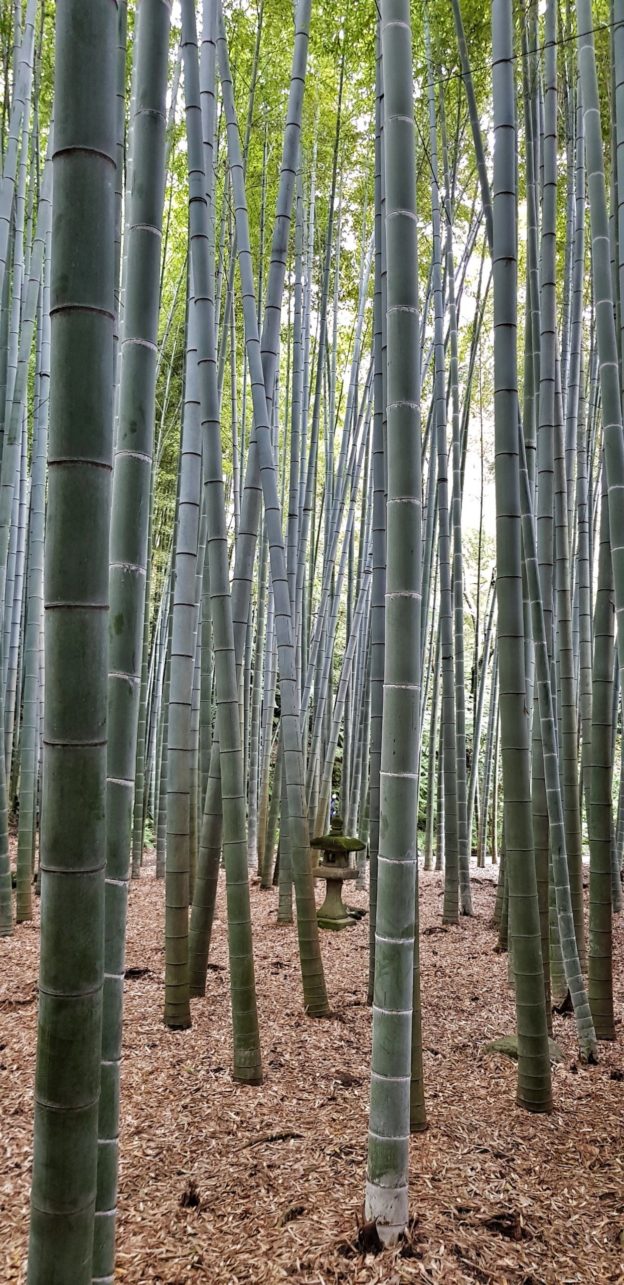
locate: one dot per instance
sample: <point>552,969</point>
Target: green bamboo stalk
<point>450,912</point>
<point>464,828</point>
<point>482,682</point>
<point>532,310</point>
<point>13,600</point>
<point>432,758</point>
<point>560,864</point>
<point>315,996</point>
<point>9,478</point>
<point>206,881</point>
<point>440,832</point>
<point>4,337</point>
<point>378,585</point>
<point>396,1015</point>
<point>616,882</point>
<point>567,705</point>
<point>29,742</point>
<point>269,683</point>
<point>475,122</point>
<point>285,870</point>
<point>600,817</point>
<point>254,750</point>
<point>545,519</point>
<point>177,1015</point>
<point>120,136</point>
<point>20,106</point>
<point>131,504</point>
<point>599,964</point>
<point>534,1085</point>
<point>618,114</point>
<point>359,619</point>
<point>246,1039</point>
<point>552,963</point>
<point>572,385</point>
<point>247,1053</point>
<point>251,501</point>
<point>268,855</point>
<point>138,808</point>
<point>583,582</point>
<point>16,633</point>
<point>207,676</point>
<point>67,1084</point>
<point>161,822</point>
<point>489,762</point>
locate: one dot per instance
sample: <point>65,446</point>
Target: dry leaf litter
<point>255,1186</point>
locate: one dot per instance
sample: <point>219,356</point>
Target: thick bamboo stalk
<point>128,562</point>
<point>67,1085</point>
<point>396,1064</point>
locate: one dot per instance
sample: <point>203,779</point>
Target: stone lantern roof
<point>336,841</point>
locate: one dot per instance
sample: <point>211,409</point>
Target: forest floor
<point>231,1185</point>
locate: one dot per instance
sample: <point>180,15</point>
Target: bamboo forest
<point>311,642</point>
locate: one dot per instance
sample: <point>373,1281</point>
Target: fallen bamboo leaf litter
<point>255,1186</point>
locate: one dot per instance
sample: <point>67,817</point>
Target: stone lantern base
<point>333,913</point>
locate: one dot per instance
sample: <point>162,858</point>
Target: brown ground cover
<point>230,1185</point>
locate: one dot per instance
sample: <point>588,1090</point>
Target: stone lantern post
<point>334,867</point>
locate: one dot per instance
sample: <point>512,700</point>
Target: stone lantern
<point>334,867</point>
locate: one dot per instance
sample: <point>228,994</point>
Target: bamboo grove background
<point>311,380</point>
